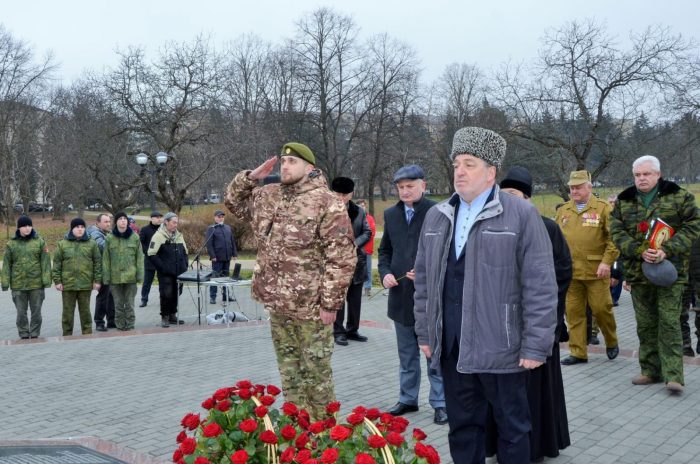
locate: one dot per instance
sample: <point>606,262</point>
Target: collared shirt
<point>466,216</point>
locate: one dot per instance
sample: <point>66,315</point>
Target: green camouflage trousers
<point>32,300</point>
<point>82,297</point>
<point>124,295</point>
<point>304,350</point>
<point>657,310</point>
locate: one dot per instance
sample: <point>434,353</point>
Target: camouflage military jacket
<point>27,264</point>
<point>77,263</point>
<point>673,204</point>
<point>306,256</point>
<point>122,258</point>
<point>588,235</point>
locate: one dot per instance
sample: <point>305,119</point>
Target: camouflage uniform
<point>26,270</point>
<point>77,265</point>
<point>305,261</point>
<point>657,309</point>
<point>122,269</point>
<point>588,235</point>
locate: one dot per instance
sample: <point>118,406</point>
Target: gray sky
<point>84,34</point>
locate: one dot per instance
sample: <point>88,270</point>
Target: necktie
<point>409,215</point>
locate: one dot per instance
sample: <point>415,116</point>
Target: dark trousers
<point>468,397</point>
<point>104,306</point>
<point>354,299</point>
<point>148,275</point>
<point>220,269</point>
<point>168,288</point>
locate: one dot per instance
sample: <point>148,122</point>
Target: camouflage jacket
<point>306,256</point>
<point>122,258</point>
<point>77,263</point>
<point>27,263</point>
<point>674,205</point>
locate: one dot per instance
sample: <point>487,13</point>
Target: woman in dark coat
<point>550,425</point>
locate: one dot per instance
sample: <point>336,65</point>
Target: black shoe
<point>440,417</point>
<point>175,321</point>
<point>356,337</point>
<point>688,351</point>
<point>24,337</point>
<point>143,304</point>
<point>212,301</point>
<point>164,322</point>
<point>111,325</point>
<point>101,328</point>
<point>612,352</point>
<point>615,304</point>
<point>571,360</point>
<point>341,340</point>
<point>594,340</point>
<point>400,409</point>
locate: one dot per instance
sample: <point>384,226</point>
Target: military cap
<point>218,212</point>
<point>156,214</point>
<point>662,274</point>
<point>482,143</point>
<point>579,177</point>
<point>412,172</point>
<point>343,185</point>
<point>300,151</point>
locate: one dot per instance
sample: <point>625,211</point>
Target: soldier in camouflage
<point>306,259</point>
<point>657,309</point>
<point>77,270</point>
<point>26,270</point>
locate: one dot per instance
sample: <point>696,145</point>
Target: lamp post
<point>143,160</point>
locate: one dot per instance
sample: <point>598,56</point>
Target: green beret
<point>300,151</point>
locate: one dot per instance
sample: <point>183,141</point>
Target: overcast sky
<point>84,34</point>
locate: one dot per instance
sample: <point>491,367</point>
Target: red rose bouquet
<point>242,427</point>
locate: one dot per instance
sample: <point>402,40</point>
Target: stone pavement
<point>133,388</point>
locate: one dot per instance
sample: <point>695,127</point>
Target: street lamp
<point>143,160</point>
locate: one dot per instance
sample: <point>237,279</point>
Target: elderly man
<point>584,222</point>
<point>306,259</point>
<point>485,301</point>
<point>221,247</point>
<point>657,304</point>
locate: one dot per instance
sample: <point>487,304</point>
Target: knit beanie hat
<point>481,143</point>
<point>343,185</point>
<point>77,222</point>
<point>120,214</point>
<point>23,221</point>
<point>518,178</point>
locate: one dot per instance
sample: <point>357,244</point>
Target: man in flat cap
<point>306,259</point>
<point>585,222</point>
<point>344,187</point>
<point>485,300</point>
<point>657,307</point>
<point>149,271</point>
<point>397,253</point>
<point>221,247</point>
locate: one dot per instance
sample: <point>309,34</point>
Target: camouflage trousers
<point>657,311</point>
<point>124,294</point>
<point>32,300</point>
<point>304,350</point>
<point>70,298</point>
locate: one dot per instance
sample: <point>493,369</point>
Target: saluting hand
<point>263,170</point>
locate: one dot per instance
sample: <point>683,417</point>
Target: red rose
<point>288,432</point>
<point>188,445</point>
<point>269,437</point>
<point>356,419</point>
<point>376,441</point>
<point>177,455</point>
<point>360,410</point>
<point>363,458</point>
<point>330,456</point>
<point>340,433</point>
<point>301,440</point>
<point>239,457</point>
<point>260,411</point>
<point>222,394</point>
<point>643,227</point>
<point>317,427</point>
<point>419,435</point>
<point>289,409</point>
<point>373,414</point>
<point>303,423</point>
<point>201,460</point>
<point>311,461</point>
<point>267,400</point>
<point>244,393</point>
<point>427,452</point>
<point>259,389</point>
<point>224,405</point>
<point>273,390</point>
<point>287,455</point>
<point>302,456</point>
<point>395,439</point>
<point>329,423</point>
<point>333,407</point>
<point>190,421</point>
<point>244,384</point>
<point>181,436</point>
<point>248,425</point>
<point>212,430</point>
<point>208,403</point>
<point>304,414</point>
<point>386,418</point>
<point>399,424</point>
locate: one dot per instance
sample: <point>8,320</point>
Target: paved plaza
<point>132,389</point>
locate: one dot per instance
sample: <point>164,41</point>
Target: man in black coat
<point>397,254</point>
<point>344,187</point>
<point>149,271</point>
<point>221,247</point>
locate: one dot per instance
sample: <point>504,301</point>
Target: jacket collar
<point>314,180</point>
<point>666,187</point>
<point>18,235</point>
<point>493,206</point>
<point>418,206</point>
<point>71,237</point>
<point>127,233</point>
<point>353,210</point>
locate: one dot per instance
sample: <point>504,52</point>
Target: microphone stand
<point>199,285</point>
